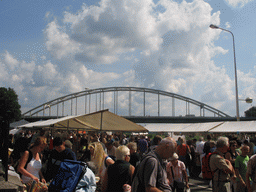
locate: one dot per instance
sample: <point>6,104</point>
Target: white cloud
<point>227,25</point>
<point>165,45</point>
<point>114,28</point>
<point>238,3</point>
<point>58,42</point>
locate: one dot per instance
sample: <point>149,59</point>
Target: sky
<point>49,49</point>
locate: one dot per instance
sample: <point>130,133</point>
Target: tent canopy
<point>98,121</point>
<point>181,127</point>
<point>212,127</point>
<point>236,126</point>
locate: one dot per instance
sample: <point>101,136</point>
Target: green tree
<point>250,112</point>
<point>9,105</point>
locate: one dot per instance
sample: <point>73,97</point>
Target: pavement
<point>12,185</point>
<point>199,185</point>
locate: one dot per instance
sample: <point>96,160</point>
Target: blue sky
<point>52,48</point>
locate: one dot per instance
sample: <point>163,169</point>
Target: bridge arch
<point>99,102</point>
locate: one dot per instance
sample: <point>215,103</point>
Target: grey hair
<point>121,152</point>
<point>222,141</point>
<point>132,145</point>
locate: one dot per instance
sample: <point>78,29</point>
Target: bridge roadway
<point>157,119</point>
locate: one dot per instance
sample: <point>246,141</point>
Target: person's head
<point>68,144</point>
<point>123,153</point>
<point>109,144</point>
<point>166,147</point>
<point>212,144</point>
<point>157,139</point>
<point>245,150</point>
<point>251,145</point>
<point>133,147</point>
<point>201,138</point>
<point>116,144</point>
<point>208,137</point>
<point>182,140</point>
<point>222,144</point>
<point>233,145</point>
<point>39,144</point>
<point>59,144</point>
<point>174,159</point>
<point>97,154</point>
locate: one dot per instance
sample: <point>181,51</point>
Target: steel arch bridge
<point>57,107</point>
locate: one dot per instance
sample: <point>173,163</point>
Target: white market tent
<point>213,127</point>
<point>98,121</point>
<point>13,126</point>
<point>236,126</point>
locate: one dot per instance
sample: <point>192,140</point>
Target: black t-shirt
<point>118,175</point>
<point>56,158</point>
<point>135,159</point>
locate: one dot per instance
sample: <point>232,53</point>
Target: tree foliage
<point>9,105</point>
<point>250,112</point>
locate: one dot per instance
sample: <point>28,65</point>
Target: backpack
<point>138,179</point>
<point>68,176</point>
<point>206,170</point>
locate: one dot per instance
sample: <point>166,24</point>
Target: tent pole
<point>101,118</point>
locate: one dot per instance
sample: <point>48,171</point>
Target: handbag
<point>178,184</point>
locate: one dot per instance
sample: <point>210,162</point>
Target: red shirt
<point>182,149</point>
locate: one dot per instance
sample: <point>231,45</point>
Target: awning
<point>181,127</point>
<point>98,121</point>
<point>165,127</point>
<point>236,127</point>
<point>212,127</point>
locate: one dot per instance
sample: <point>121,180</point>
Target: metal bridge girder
<point>115,90</point>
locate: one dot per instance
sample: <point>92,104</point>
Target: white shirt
<point>200,147</point>
<point>33,167</point>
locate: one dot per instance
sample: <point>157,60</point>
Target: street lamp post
<point>237,104</point>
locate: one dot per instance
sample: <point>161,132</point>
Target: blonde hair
<point>98,155</point>
<point>121,152</point>
<point>41,140</point>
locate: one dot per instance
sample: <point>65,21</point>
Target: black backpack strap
<point>30,156</point>
<point>82,174</point>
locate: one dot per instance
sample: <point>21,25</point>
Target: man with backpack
<point>151,173</point>
<point>222,168</point>
<point>57,155</point>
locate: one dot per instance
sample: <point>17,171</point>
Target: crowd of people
<point>135,163</point>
